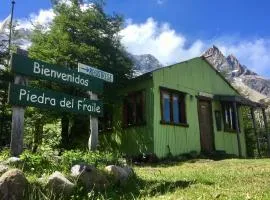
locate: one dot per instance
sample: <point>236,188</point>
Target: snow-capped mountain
<point>247,82</point>
<point>144,63</point>
<point>229,65</point>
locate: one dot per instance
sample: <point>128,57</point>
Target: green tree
<point>88,36</point>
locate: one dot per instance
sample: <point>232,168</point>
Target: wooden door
<point>206,126</point>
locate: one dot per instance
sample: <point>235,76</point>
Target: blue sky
<point>201,18</point>
<point>175,30</point>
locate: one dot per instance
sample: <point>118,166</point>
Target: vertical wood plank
<point>17,126</point>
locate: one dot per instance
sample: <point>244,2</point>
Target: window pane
<point>130,112</point>
<point>139,108</point>
<point>230,121</point>
<point>226,116</point>
<point>176,109</point>
<point>134,109</point>
<point>166,107</point>
<point>231,118</point>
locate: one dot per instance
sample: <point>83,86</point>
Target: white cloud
<point>44,18</point>
<point>169,46</point>
<point>159,40</point>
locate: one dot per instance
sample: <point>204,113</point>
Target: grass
<point>201,179</point>
<point>192,179</point>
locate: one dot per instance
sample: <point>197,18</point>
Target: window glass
<point>134,109</point>
<point>176,109</point>
<point>130,112</point>
<point>218,120</point>
<point>172,107</point>
<point>229,117</point>
<point>166,107</point>
<point>139,109</point>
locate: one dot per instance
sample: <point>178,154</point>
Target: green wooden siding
<point>136,139</point>
<point>192,77</point>
<point>227,141</point>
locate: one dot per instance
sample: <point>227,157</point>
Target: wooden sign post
<point>17,126</point>
<point>93,130</point>
<point>20,95</point>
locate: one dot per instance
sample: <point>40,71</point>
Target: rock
<point>129,170</point>
<point>89,177</point>
<point>3,169</point>
<point>120,174</point>
<point>60,185</point>
<point>13,185</point>
<point>12,161</point>
<point>76,170</point>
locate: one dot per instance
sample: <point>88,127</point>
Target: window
<point>229,117</point>
<point>134,109</point>
<point>172,107</point>
<point>218,120</point>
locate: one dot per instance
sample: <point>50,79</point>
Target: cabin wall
<point>192,77</point>
<point>175,140</point>
<point>227,141</point>
<point>135,139</point>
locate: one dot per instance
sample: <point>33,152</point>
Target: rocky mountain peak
<point>213,52</point>
<point>233,60</point>
<point>247,82</point>
<point>144,63</point>
<point>229,65</point>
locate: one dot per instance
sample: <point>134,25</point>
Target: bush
<point>38,164</point>
<point>97,158</point>
<point>4,154</point>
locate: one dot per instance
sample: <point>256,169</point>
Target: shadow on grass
<point>160,188</point>
<point>137,188</point>
<point>180,160</point>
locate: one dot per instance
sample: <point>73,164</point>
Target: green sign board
<point>26,96</point>
<point>30,67</point>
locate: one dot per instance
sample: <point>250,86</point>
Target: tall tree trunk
<point>38,133</point>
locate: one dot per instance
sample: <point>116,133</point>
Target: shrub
<point>4,154</point>
<point>97,158</point>
<point>37,163</point>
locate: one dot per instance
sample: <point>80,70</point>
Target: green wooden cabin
<point>179,109</point>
